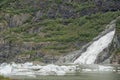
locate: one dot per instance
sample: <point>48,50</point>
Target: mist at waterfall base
<point>28,71</point>
<point>84,63</point>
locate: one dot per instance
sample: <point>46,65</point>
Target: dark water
<point>81,76</point>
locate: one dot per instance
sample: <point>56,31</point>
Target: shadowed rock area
<point>44,30</point>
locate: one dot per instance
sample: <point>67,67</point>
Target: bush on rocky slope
<point>40,29</point>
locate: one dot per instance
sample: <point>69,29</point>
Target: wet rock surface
<point>12,51</point>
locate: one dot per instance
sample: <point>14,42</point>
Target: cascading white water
<point>28,69</point>
<point>90,55</point>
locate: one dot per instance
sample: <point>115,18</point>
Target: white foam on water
<point>90,55</point>
<point>32,70</point>
<point>51,69</point>
<point>100,68</point>
<point>105,68</point>
<point>6,70</point>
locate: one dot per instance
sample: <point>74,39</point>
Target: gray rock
<point>104,55</point>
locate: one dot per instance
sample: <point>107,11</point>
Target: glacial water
<point>79,76</point>
<point>83,68</point>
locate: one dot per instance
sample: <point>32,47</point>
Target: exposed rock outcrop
<point>104,57</point>
<point>16,20</point>
<point>38,12</point>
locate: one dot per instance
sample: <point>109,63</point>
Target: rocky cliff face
<point>105,56</point>
<point>25,37</point>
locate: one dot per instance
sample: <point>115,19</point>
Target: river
<point>80,76</point>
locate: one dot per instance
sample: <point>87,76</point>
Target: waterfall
<point>85,61</point>
<point>80,60</point>
<point>90,55</point>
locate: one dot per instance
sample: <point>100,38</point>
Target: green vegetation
<point>22,6</point>
<point>118,33</point>
<point>62,31</point>
<point>80,7</point>
<point>118,26</point>
<point>117,52</point>
<point>3,78</point>
<point>81,29</point>
<point>60,35</point>
<point>29,52</point>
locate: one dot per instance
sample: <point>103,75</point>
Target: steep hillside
<point>42,30</point>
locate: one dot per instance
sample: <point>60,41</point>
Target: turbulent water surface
<point>83,68</point>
